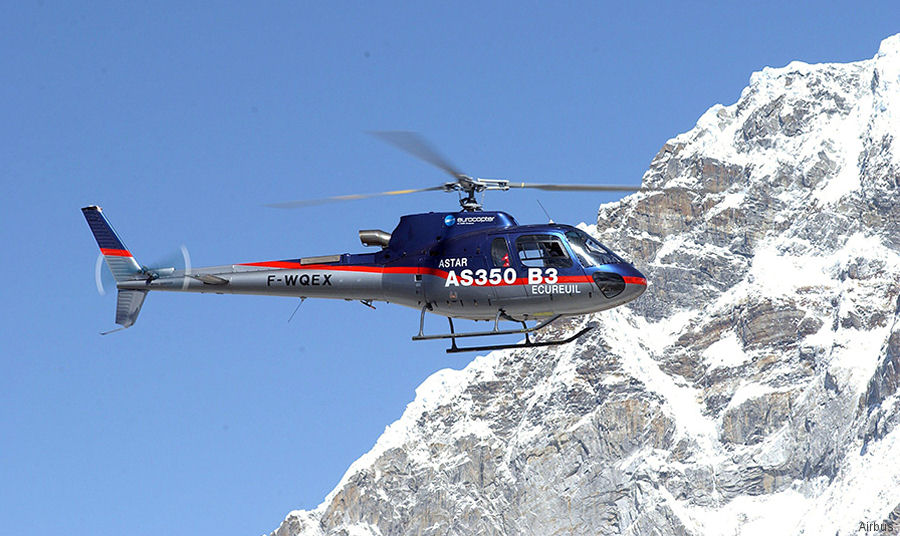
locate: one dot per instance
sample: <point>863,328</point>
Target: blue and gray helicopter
<point>470,264</point>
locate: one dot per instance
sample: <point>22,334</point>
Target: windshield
<point>589,251</point>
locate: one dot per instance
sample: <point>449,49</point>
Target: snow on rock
<point>751,390</point>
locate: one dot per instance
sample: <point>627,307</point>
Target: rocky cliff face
<point>752,389</point>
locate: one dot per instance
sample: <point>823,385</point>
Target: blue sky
<point>213,413</point>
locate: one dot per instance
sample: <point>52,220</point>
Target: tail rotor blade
<point>177,258</point>
<point>102,276</point>
<point>186,256</point>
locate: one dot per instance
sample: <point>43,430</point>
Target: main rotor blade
<point>576,187</point>
<point>416,145</point>
<point>352,197</point>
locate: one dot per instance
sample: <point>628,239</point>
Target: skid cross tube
<point>451,335</point>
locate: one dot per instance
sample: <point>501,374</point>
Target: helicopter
<point>467,264</point>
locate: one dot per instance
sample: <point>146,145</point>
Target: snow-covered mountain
<point>751,390</point>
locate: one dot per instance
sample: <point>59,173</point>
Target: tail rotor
<point>178,260</point>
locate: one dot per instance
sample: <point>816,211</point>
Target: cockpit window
<point>589,251</point>
<point>542,251</point>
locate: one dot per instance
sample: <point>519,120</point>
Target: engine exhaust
<point>374,237</point>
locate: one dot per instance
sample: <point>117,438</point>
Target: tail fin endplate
<point>121,263</point>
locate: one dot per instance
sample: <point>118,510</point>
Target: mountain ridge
<point>752,389</point>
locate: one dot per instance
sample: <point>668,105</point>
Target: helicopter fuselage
<point>472,265</point>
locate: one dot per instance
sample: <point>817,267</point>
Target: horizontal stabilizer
<point>210,279</point>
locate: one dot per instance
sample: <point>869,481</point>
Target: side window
<point>500,252</point>
<point>542,251</point>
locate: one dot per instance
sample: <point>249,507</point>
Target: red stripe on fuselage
<point>345,268</point>
<point>116,252</point>
<point>635,280</point>
<point>575,279</point>
<point>415,270</point>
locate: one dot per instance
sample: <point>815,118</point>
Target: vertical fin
<point>128,307</point>
<point>121,262</point>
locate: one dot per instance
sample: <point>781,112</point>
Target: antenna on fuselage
<point>545,211</point>
<point>303,299</point>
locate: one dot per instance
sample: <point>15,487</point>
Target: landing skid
<point>453,335</point>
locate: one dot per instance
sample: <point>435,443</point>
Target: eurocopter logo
<point>449,220</point>
<point>475,219</point>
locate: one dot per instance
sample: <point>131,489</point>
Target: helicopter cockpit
<point>549,250</point>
